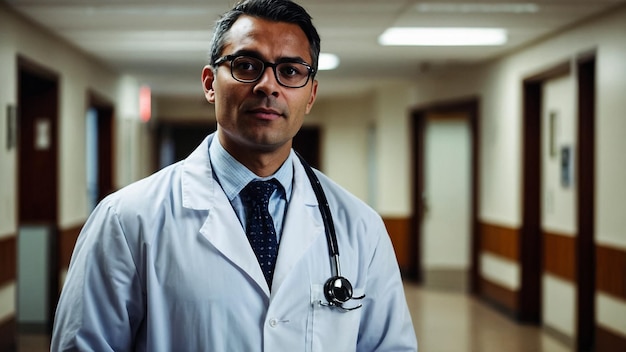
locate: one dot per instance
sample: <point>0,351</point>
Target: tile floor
<point>448,321</point>
<point>445,321</point>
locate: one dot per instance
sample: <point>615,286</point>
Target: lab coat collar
<point>303,223</point>
<point>198,185</point>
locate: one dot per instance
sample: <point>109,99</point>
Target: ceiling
<point>165,42</point>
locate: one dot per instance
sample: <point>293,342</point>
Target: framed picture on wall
<point>552,133</point>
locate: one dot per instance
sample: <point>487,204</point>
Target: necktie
<point>259,224</point>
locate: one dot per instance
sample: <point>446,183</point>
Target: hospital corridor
<point>496,167</point>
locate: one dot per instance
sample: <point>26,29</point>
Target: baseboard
<point>609,341</point>
<point>499,297</point>
<point>7,335</point>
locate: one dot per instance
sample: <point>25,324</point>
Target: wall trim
<point>500,240</point>
<point>608,340</point>
<point>399,232</point>
<point>611,270</point>
<point>67,241</point>
<point>503,242</point>
<point>502,298</point>
<point>559,255</point>
<point>8,329</point>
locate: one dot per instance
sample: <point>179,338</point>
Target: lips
<point>266,113</point>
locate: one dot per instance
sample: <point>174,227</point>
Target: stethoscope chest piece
<point>338,290</point>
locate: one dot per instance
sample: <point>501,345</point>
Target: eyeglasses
<point>247,69</point>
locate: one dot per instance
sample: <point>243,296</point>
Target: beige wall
<point>77,75</point>
<point>498,84</point>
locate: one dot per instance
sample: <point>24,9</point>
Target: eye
<point>292,69</point>
<point>247,65</point>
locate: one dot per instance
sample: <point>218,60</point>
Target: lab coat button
<point>273,322</point>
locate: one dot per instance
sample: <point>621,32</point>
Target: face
<point>259,117</point>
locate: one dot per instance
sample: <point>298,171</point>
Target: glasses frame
<point>266,64</point>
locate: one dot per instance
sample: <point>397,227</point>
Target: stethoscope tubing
<point>337,289</point>
<point>329,226</point>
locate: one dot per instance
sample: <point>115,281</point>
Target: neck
<point>262,162</point>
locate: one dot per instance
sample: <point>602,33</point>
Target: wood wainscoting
<point>399,230</point>
<point>502,242</point>
<point>67,241</point>
<point>8,273</point>
<point>8,259</point>
<point>559,255</point>
<point>611,271</point>
<point>608,340</point>
<point>611,280</point>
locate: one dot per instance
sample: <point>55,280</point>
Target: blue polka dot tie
<point>259,224</point>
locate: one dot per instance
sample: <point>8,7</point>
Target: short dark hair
<point>273,10</point>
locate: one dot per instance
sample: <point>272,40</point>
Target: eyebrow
<point>255,54</point>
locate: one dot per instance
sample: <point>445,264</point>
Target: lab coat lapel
<point>303,225</point>
<point>221,228</point>
<point>224,231</point>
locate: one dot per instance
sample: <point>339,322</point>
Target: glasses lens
<point>292,74</point>
<point>247,69</point>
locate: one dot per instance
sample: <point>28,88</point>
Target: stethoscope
<point>337,289</point>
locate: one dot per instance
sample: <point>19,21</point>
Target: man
<point>186,260</point>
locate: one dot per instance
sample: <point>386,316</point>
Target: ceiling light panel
<point>477,7</point>
<point>327,61</point>
<point>416,36</point>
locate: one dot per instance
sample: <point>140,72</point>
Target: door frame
<point>585,244</point>
<point>530,305</point>
<point>44,74</point>
<point>40,72</point>
<point>469,107</point>
<point>531,239</point>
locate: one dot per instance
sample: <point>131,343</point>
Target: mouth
<point>265,114</point>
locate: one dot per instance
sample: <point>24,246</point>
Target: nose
<point>267,84</point>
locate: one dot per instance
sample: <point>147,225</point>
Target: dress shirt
<point>234,176</point>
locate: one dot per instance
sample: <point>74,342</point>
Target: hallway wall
<point>498,84</point>
<point>77,74</point>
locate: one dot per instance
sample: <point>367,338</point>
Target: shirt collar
<point>233,176</point>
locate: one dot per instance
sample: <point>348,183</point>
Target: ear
<point>309,105</point>
<point>207,83</point>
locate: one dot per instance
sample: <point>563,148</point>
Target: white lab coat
<point>165,265</point>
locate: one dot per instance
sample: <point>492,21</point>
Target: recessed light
<point>478,7</point>
<point>422,36</point>
<point>327,61</point>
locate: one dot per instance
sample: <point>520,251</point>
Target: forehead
<point>268,38</point>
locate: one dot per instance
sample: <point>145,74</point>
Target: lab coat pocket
<point>330,328</point>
